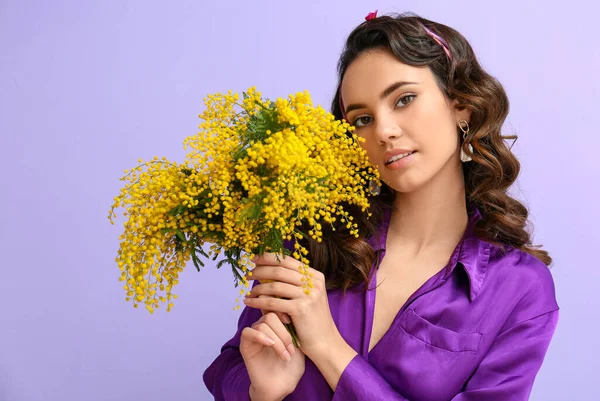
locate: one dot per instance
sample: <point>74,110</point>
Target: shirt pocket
<point>437,336</point>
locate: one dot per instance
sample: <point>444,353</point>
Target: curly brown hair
<point>346,260</point>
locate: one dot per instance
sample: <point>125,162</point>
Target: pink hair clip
<point>439,41</point>
<point>371,15</point>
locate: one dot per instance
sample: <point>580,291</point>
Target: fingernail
<point>286,319</point>
<point>286,356</point>
<point>291,349</point>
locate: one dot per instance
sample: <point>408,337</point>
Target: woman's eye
<point>361,121</point>
<point>404,100</point>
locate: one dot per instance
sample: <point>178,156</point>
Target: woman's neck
<point>433,216</point>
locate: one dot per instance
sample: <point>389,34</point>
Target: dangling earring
<point>374,188</point>
<point>464,157</point>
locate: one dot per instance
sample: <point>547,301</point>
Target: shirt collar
<point>471,253</point>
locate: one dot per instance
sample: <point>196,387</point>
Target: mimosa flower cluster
<point>255,173</point>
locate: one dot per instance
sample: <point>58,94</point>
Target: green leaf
<point>202,252</point>
<point>254,212</point>
<point>251,208</point>
<point>239,153</point>
<point>273,241</point>
<point>180,235</point>
<point>178,245</point>
<point>263,171</point>
<point>176,210</point>
<point>197,262</point>
<point>237,276</point>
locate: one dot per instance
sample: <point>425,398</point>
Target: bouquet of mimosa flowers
<point>256,174</point>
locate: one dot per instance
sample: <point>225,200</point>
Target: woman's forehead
<point>373,72</point>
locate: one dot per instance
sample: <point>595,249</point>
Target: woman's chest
<point>424,360</point>
<point>394,287</point>
<point>427,345</point>
<point>432,344</point>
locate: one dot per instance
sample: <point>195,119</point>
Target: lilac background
<point>88,87</point>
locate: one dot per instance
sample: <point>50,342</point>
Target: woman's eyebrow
<point>388,91</point>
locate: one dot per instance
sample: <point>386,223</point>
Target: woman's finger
<point>250,334</point>
<point>282,333</point>
<point>276,289</point>
<point>271,326</point>
<point>272,304</point>
<point>284,317</point>
<point>275,259</point>
<point>267,273</point>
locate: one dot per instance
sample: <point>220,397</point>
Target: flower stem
<point>292,330</point>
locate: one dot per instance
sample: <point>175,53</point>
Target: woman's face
<point>410,127</point>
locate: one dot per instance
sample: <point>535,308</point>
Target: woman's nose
<point>387,129</point>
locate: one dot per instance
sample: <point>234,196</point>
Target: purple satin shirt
<point>478,330</point>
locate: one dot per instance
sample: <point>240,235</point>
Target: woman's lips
<point>400,163</point>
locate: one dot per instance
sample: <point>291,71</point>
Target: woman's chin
<point>403,185</point>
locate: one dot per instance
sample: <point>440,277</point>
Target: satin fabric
<point>477,330</point>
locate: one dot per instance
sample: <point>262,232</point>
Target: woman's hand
<point>274,365</point>
<point>310,314</point>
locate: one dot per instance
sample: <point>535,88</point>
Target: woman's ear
<point>464,114</point>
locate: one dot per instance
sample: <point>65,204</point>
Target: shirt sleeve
<point>227,377</point>
<point>506,373</point>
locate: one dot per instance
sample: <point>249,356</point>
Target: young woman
<point>443,296</point>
